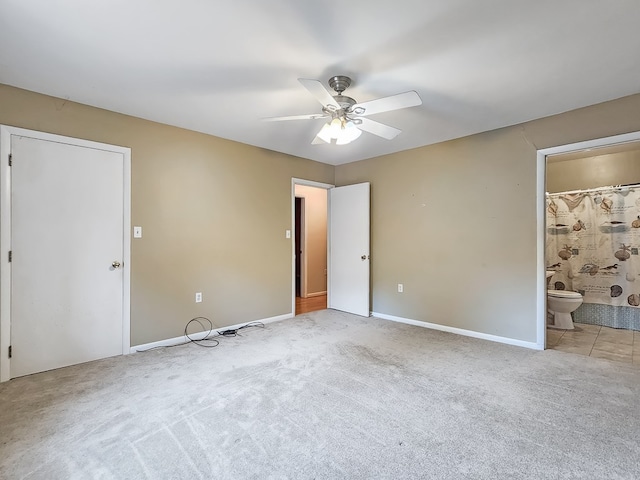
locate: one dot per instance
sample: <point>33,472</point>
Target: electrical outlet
<point>198,297</point>
<point>287,234</point>
<point>400,288</point>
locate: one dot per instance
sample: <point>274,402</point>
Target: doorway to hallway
<point>310,248</point>
<point>346,272</point>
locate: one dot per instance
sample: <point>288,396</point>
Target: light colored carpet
<point>327,395</point>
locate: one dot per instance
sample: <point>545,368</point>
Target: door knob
<point>363,257</point>
<point>116,264</point>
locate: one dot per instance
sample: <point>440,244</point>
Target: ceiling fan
<point>347,118</point>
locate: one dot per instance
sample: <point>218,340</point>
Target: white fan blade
<point>316,89</point>
<point>311,116</point>
<point>377,128</point>
<point>386,104</point>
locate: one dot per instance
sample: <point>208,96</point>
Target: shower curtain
<point>593,237</point>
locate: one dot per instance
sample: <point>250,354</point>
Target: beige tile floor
<point>596,341</point>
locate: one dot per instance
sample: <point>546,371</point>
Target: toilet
<point>560,304</point>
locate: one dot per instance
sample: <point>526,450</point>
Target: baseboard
<point>170,342</point>
<point>460,331</point>
<point>316,294</point>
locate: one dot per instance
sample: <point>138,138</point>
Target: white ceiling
<point>219,66</point>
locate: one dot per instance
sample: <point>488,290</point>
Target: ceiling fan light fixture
<point>325,133</point>
<point>348,133</point>
<point>335,127</point>
<point>340,129</point>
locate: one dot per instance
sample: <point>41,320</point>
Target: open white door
<point>348,286</point>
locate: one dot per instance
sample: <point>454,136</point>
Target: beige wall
<point>315,225</point>
<point>456,222</point>
<point>213,212</point>
<point>620,168</point>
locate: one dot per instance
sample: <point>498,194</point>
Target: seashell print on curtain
<point>593,238</point>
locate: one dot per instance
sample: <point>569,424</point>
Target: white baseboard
<point>316,294</point>
<point>460,331</point>
<point>170,342</point>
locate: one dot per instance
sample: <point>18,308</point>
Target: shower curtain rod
<point>598,189</point>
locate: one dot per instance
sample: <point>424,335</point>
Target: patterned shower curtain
<point>593,239</point>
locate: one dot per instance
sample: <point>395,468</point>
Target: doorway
<point>618,140</point>
<point>65,230</point>
<point>348,283</point>
<point>310,244</point>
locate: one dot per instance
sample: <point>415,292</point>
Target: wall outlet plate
<point>198,297</point>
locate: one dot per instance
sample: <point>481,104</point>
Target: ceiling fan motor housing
<point>344,101</point>
<point>339,83</point>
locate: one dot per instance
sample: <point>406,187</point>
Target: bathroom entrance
<point>589,231</point>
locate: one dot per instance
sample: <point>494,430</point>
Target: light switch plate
<point>137,232</point>
<point>287,234</point>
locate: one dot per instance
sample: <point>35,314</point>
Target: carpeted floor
<point>327,395</point>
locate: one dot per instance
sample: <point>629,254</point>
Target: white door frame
<point>5,234</point>
<point>541,171</point>
<point>308,183</point>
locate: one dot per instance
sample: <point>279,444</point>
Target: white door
<point>349,249</point>
<point>67,240</point>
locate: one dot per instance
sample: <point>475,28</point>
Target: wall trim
<point>541,227</point>
<point>461,331</point>
<point>170,342</point>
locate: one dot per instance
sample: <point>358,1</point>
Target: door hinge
<point>10,255</point>
<point>10,351</point>
<point>10,159</point>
